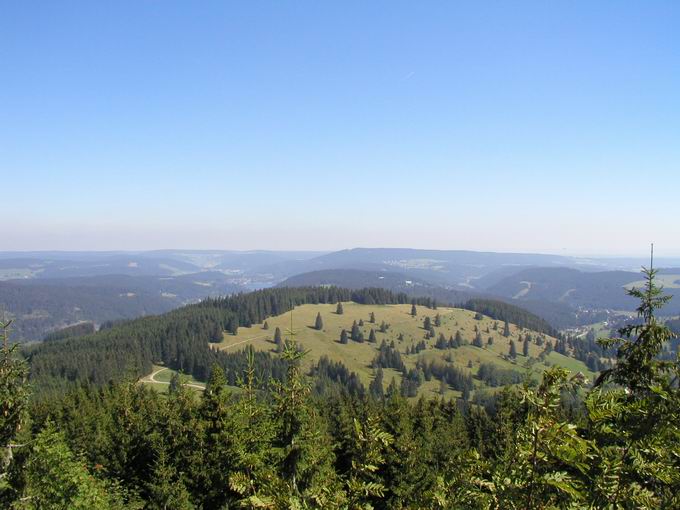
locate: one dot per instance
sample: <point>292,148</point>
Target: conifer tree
<point>413,310</point>
<point>513,349</point>
<point>56,478</point>
<point>278,340</point>
<point>344,337</point>
<point>427,324</point>
<point>355,331</point>
<point>525,347</point>
<point>318,323</point>
<point>14,395</point>
<point>506,329</point>
<point>372,318</point>
<point>265,326</point>
<point>376,387</point>
<point>175,384</point>
<point>477,342</point>
<point>216,335</point>
<point>339,310</point>
<point>371,337</point>
<point>216,382</point>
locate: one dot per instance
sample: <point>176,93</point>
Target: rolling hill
<point>40,306</point>
<point>578,289</point>
<point>407,334</point>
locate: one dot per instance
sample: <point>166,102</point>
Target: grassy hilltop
<point>406,331</point>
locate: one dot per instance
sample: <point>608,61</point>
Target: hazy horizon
<point>642,256</point>
<point>531,128</point>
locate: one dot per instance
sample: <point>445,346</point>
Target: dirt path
<point>152,379</point>
<point>244,341</point>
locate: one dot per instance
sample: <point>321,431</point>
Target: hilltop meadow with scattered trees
<point>77,431</point>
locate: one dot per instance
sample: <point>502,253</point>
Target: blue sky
<point>508,126</point>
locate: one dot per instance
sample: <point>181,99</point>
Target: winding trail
<point>151,378</point>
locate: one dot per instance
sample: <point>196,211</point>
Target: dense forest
<point>287,441</point>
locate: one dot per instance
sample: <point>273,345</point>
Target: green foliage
<point>56,479</point>
<point>14,396</point>
<point>282,443</point>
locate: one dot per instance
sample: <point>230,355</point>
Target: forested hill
<point>181,339</point>
<point>511,313</point>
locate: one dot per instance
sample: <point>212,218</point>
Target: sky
<point>547,127</point>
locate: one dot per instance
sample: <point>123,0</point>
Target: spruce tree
<point>372,318</point>
<point>318,324</point>
<point>371,337</point>
<point>525,347</point>
<point>265,326</point>
<point>344,337</point>
<point>14,397</point>
<point>339,310</point>
<point>513,349</point>
<point>427,324</point>
<point>413,310</point>
<point>477,342</point>
<point>376,387</point>
<point>506,329</point>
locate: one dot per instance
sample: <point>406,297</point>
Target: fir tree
<point>413,310</point>
<point>513,349</point>
<point>338,309</point>
<point>376,387</point>
<point>372,318</point>
<point>477,342</point>
<point>344,337</point>
<point>318,323</point>
<point>443,386</point>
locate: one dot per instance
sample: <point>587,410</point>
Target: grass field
<point>358,356</point>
